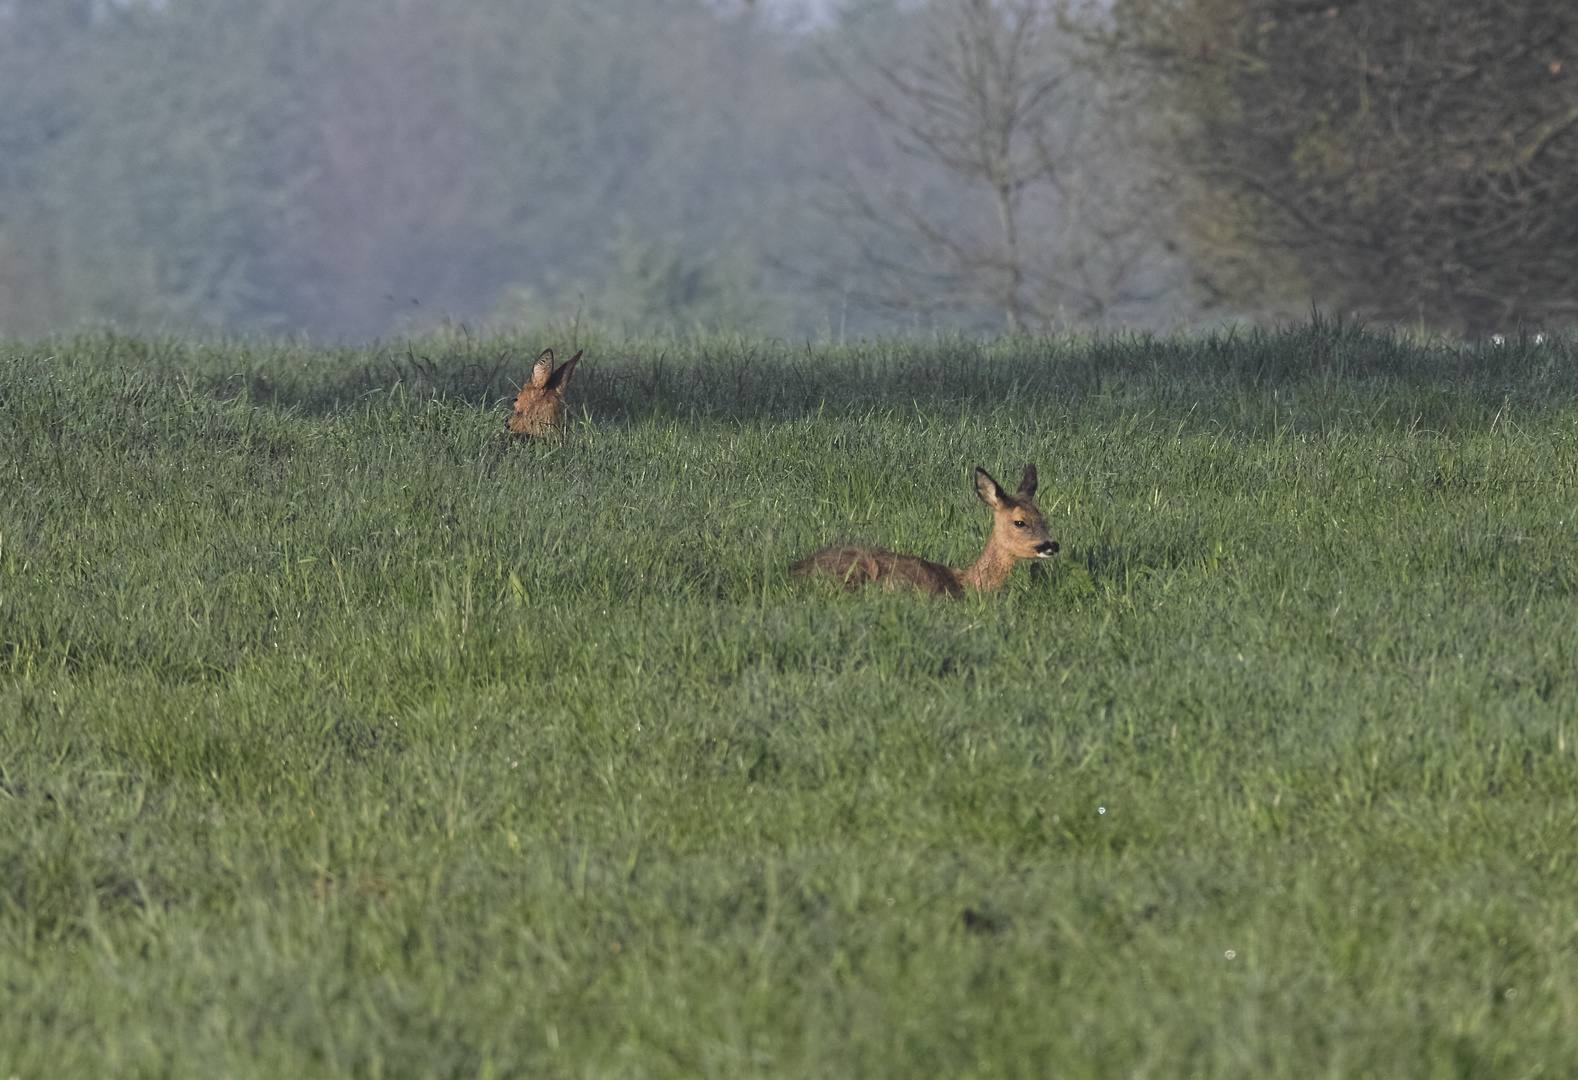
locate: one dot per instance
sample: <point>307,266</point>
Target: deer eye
<point>1019,524</point>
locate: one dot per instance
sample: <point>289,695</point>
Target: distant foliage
<point>357,168</point>
<point>1410,160</point>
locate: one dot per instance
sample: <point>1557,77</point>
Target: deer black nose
<point>1047,548</point>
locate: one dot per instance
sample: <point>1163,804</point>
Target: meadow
<point>341,738</point>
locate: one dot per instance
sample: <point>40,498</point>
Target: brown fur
<point>539,407</point>
<point>1019,531</point>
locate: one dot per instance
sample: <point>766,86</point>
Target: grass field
<point>340,738</point>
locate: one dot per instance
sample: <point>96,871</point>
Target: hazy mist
<point>359,168</point>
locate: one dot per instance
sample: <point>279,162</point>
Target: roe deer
<point>1019,531</point>
<point>539,407</point>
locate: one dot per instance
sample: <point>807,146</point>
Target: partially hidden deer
<point>1019,531</point>
<point>539,407</point>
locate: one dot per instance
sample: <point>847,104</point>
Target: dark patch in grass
<point>984,922</point>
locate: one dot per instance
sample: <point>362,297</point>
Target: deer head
<point>1018,527</point>
<point>539,407</point>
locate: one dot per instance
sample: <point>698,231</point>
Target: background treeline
<point>1412,160</point>
<point>359,168</point>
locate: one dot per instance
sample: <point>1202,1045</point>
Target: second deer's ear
<point>987,489</point>
<point>542,369</point>
<point>562,376</point>
<point>1027,485</point>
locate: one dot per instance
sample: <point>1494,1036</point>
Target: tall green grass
<point>340,738</point>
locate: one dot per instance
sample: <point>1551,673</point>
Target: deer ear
<point>1027,485</point>
<point>562,376</point>
<point>542,369</point>
<point>987,489</point>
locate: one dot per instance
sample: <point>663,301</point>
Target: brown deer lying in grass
<point>1019,531</point>
<point>539,407</point>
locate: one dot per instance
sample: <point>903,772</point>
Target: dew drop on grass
<point>1230,954</point>
<point>1101,809</point>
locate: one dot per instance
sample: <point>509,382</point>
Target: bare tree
<point>1022,203</point>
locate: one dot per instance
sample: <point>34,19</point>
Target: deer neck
<point>991,570</point>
